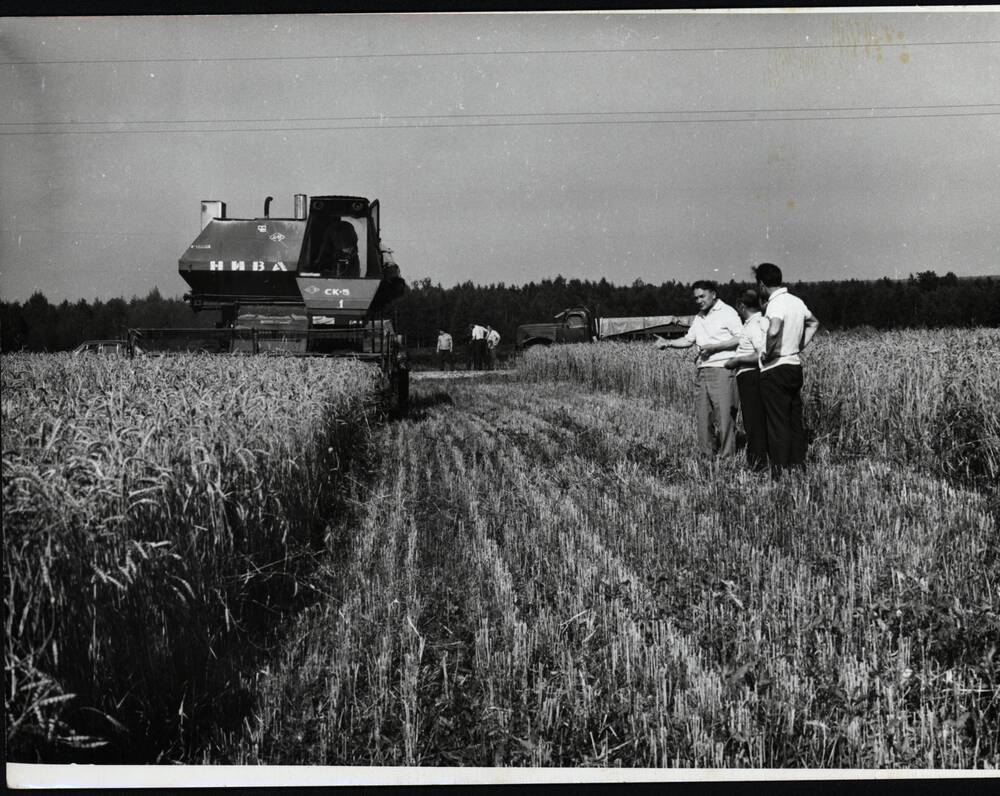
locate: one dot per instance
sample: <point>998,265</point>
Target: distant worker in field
<point>715,329</point>
<point>445,352</point>
<point>478,335</point>
<point>338,253</point>
<point>492,341</point>
<point>745,362</point>
<point>791,325</point>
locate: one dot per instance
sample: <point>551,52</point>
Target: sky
<point>508,147</point>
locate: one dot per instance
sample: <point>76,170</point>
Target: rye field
<point>159,519</point>
<point>246,561</point>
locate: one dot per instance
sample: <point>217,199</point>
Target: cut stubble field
<point>538,570</point>
<point>547,576</point>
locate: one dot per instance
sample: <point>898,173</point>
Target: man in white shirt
<point>445,346</point>
<point>715,329</point>
<point>492,341</point>
<point>791,325</point>
<point>745,362</point>
<point>478,334</point>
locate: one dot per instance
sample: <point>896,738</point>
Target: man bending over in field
<point>716,329</point>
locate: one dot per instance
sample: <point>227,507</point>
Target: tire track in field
<point>544,658</point>
<point>333,696</point>
<point>480,701</point>
<point>637,659</point>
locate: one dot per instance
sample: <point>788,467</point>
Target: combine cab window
<point>334,248</point>
<point>576,321</point>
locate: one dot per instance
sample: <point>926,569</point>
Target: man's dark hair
<point>768,274</point>
<point>705,284</point>
<point>750,300</point>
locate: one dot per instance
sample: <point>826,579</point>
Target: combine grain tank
<point>314,284</point>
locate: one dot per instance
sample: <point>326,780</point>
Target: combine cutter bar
<point>373,342</point>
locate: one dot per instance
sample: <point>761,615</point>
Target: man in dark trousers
<point>478,333</point>
<point>791,325</point>
<point>445,344</point>
<point>715,331</point>
<point>746,363</point>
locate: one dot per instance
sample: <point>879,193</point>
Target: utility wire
<point>508,124</point>
<point>395,117</point>
<point>502,53</point>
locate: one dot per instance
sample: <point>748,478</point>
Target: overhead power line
<point>503,53</point>
<point>750,117</point>
<point>381,118</point>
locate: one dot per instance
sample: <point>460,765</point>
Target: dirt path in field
<point>435,375</point>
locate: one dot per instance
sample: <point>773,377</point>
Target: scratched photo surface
<point>251,561</point>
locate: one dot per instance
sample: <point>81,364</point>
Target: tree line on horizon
<point>38,325</point>
<point>924,300</point>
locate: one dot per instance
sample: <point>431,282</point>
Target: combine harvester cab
<point>314,284</point>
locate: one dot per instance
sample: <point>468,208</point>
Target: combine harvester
<point>313,285</point>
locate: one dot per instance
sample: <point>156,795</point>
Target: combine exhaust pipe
<point>267,206</point>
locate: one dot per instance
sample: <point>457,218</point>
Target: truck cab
<point>573,325</point>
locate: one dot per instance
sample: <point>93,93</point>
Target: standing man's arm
<point>725,345</point>
<point>744,359</point>
<point>680,342</point>
<point>686,341</point>
<point>773,342</point>
<point>809,330</point>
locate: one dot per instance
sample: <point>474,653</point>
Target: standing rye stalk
<point>158,515</point>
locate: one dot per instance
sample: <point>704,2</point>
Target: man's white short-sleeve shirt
<point>793,313</point>
<point>719,324</point>
<point>753,338</point>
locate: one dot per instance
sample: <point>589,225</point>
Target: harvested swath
<point>547,577</point>
<point>157,513</point>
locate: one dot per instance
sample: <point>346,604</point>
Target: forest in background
<point>924,300</point>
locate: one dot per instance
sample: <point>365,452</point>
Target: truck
<point>315,284</point>
<point>580,325</point>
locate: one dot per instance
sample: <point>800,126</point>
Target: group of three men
<point>482,348</point>
<point>749,360</point>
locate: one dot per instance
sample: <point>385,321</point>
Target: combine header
<point>316,284</point>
